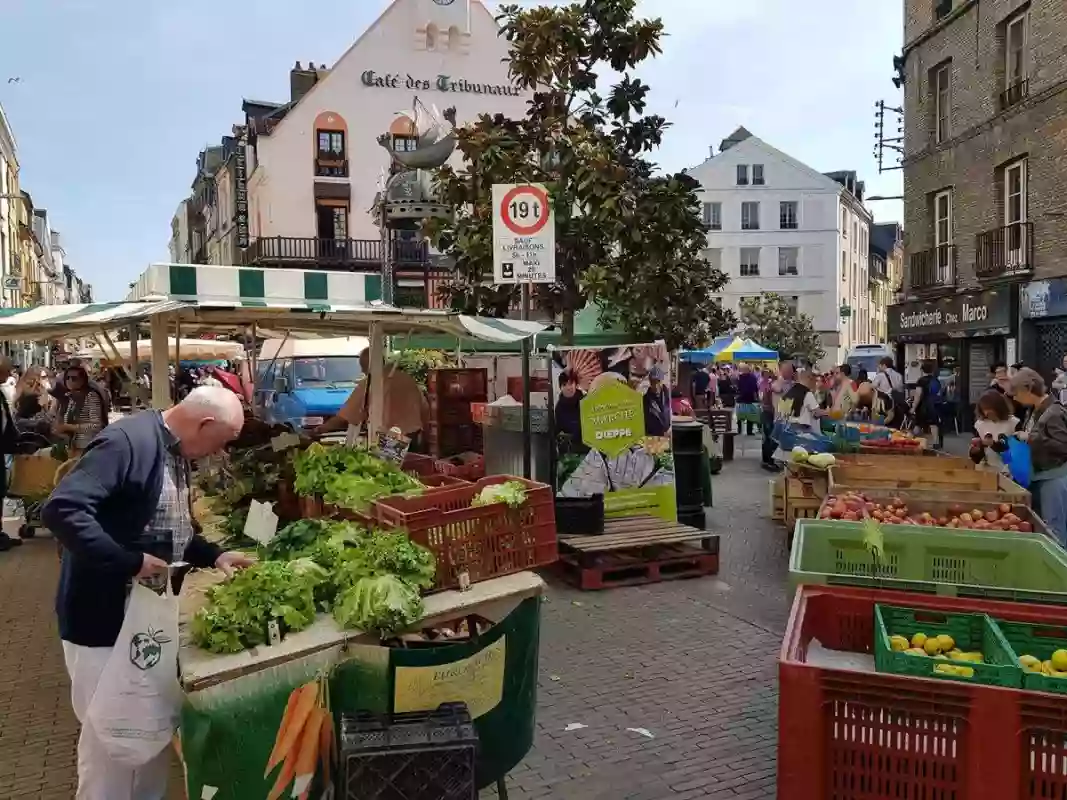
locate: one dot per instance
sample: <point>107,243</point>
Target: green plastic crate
<point>943,561</point>
<point>1036,640</point>
<point>971,632</point>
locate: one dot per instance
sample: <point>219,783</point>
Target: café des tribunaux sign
<point>442,83</point>
<point>982,314</point>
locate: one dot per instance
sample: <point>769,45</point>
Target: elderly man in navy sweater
<point>124,514</point>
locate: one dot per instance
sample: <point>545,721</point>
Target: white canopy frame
<point>167,317</point>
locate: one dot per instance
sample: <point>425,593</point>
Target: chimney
<point>301,80</point>
<point>711,151</point>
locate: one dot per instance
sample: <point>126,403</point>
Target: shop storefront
<point>1043,308</point>
<point>963,334</point>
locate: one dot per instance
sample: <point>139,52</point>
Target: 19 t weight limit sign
<point>524,234</point>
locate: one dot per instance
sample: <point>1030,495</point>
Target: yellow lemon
<point>1046,668</point>
<point>1059,660</point>
<point>955,669</point>
<point>915,651</point>
<point>918,640</point>
<point>1030,663</point>
<point>955,654</point>
<point>947,642</point>
<point>898,644</point>
<point>941,656</point>
<point>932,647</point>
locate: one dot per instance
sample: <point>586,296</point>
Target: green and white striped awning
<point>279,302</point>
<point>190,318</point>
<point>251,287</point>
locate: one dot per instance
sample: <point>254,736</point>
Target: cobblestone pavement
<point>690,662</point>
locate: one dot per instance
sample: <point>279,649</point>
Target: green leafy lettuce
<point>384,603</point>
<point>238,612</point>
<point>349,477</point>
<point>511,492</point>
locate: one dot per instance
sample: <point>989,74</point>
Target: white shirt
<point>807,411</point>
<point>888,382</point>
<point>985,427</point>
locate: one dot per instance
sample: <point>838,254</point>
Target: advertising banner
<point>612,410</point>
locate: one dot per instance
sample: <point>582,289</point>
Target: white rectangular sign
<point>524,234</point>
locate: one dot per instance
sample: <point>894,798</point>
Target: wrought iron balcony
<point>933,269</point>
<point>330,165</point>
<point>345,254</point>
<point>1015,93</point>
<point>1005,252</point>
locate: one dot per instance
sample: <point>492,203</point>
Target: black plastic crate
<point>418,755</point>
<point>580,516</point>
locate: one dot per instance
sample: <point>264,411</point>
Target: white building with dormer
<point>296,184</point>
<point>780,226</point>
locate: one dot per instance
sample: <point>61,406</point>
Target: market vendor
<point>405,405</point>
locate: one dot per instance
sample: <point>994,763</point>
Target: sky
<point>111,100</point>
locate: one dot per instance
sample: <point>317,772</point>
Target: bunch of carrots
<point>305,739</point>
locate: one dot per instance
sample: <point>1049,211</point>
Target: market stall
<point>472,638</point>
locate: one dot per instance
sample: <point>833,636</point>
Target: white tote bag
<point>135,708</point>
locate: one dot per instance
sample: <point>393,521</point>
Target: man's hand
<point>151,566</point>
<point>232,561</point>
<point>1022,436</point>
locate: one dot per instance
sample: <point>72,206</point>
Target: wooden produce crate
<point>776,494</point>
<point>944,506</point>
<point>473,544</point>
<point>962,483</point>
<point>801,502</point>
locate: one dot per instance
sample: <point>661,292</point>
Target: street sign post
<point>524,252</point>
<point>524,234</point>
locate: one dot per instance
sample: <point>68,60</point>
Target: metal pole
<point>527,443</point>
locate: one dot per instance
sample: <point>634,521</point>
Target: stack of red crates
<point>846,735</point>
<point>450,393</point>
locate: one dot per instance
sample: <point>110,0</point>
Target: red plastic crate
<point>418,465</point>
<point>846,735</point>
<point>438,481</point>
<point>470,466</point>
<point>484,542</point>
<point>470,383</point>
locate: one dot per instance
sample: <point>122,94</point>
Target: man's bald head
<point>209,418</point>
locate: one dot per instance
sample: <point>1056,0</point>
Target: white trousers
<point>100,778</point>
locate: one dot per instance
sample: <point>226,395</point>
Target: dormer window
<point>330,154</point>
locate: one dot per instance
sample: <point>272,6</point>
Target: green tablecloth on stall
<point>228,730</point>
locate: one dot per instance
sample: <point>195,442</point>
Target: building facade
<point>885,271</point>
<point>11,240</point>
<point>777,225</point>
<point>985,160</point>
<point>295,186</point>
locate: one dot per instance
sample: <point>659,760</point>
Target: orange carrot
<point>282,724</point>
<point>309,745</point>
<point>285,777</point>
<point>293,724</point>
<point>326,746</point>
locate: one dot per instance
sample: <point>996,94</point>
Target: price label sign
<point>524,234</point>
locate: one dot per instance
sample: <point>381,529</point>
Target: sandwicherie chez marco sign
<point>982,314</point>
<point>934,317</point>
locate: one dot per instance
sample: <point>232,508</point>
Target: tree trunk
<point>567,327</point>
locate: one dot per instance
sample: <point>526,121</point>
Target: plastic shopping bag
<point>137,703</point>
<point>1017,457</point>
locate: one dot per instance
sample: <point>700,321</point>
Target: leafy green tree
<point>768,320</point>
<point>627,237</point>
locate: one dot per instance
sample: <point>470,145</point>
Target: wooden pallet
<point>638,550</point>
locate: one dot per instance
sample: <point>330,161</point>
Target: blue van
<point>304,382</point>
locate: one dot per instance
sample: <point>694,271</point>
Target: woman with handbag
<point>1045,431</point>
<point>83,410</point>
